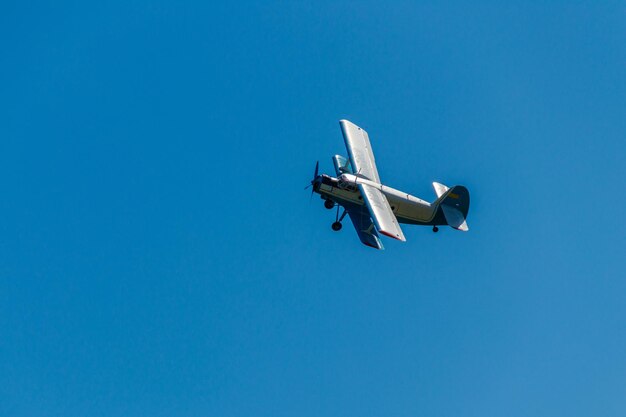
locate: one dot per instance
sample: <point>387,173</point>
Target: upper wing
<point>381,212</point>
<point>364,226</point>
<point>342,165</point>
<point>359,150</point>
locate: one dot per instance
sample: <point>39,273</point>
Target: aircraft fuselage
<point>407,208</point>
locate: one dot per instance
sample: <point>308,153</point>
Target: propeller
<point>315,174</point>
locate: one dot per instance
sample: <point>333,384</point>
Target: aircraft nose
<point>317,182</point>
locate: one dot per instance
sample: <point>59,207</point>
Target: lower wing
<point>381,212</point>
<point>363,225</point>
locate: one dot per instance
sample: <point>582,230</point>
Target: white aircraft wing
<point>365,228</point>
<point>359,150</point>
<point>381,212</point>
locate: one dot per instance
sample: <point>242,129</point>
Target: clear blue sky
<point>159,257</point>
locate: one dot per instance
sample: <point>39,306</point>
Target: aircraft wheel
<point>435,229</point>
<point>329,204</point>
<point>336,226</point>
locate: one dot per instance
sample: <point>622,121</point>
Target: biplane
<point>376,209</point>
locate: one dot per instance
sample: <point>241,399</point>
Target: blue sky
<point>159,256</point>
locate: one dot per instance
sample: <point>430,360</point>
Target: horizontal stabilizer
<point>440,189</point>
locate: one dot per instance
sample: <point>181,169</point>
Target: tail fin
<point>454,203</point>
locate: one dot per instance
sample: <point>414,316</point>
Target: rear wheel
<point>336,226</point>
<point>435,229</point>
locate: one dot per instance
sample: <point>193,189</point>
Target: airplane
<point>376,209</point>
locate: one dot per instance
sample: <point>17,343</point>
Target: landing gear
<point>329,204</point>
<point>337,225</point>
<point>435,229</point>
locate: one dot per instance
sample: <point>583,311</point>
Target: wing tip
<point>397,237</point>
<point>374,246</point>
<point>347,122</point>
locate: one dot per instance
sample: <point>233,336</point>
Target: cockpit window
<point>348,186</point>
